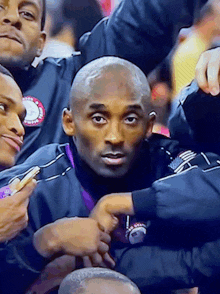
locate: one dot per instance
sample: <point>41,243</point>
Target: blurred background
<point>68,20</point>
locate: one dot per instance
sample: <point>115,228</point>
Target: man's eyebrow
<point>134,107</point>
<point>29,2</point>
<point>8,98</point>
<point>97,106</point>
<point>24,112</point>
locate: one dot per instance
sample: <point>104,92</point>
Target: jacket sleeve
<point>20,263</point>
<point>189,197</point>
<point>153,267</point>
<point>141,31</point>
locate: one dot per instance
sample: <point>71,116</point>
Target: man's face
<point>106,286</point>
<point>12,113</point>
<point>21,38</point>
<point>110,126</point>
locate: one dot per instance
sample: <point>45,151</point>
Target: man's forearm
<point>141,31</point>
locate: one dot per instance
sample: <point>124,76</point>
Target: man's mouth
<point>11,36</point>
<point>114,158</point>
<point>14,142</point>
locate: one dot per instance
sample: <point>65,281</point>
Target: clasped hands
<point>75,236</point>
<point>88,238</point>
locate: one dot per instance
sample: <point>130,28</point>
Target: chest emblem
<point>35,111</point>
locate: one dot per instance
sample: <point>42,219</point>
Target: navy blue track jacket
<point>142,31</point>
<point>184,222</point>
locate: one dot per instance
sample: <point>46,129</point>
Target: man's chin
<point>12,62</point>
<point>112,172</point>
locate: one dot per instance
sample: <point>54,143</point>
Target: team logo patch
<point>35,111</point>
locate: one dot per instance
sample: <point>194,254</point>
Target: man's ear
<point>150,123</point>
<point>41,43</point>
<point>68,123</point>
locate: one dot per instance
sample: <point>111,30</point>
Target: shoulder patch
<point>35,111</point>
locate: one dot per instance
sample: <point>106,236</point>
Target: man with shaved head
<point>96,281</point>
<point>110,150</point>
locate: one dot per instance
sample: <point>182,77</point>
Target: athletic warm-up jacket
<point>142,31</point>
<point>184,221</point>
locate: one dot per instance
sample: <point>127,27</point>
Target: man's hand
<point>109,206</point>
<point>207,71</point>
<point>72,236</point>
<point>13,211</point>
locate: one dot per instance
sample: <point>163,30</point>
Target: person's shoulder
<point>44,156</point>
<point>59,60</point>
<point>66,67</point>
<point>160,142</point>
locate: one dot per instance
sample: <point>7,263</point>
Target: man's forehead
<point>36,2</point>
<point>101,87</point>
<point>8,84</point>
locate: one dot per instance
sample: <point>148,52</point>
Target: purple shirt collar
<point>89,202</point>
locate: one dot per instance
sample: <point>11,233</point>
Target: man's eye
<point>131,119</point>
<point>27,15</point>
<point>1,7</point>
<point>3,107</point>
<point>98,119</point>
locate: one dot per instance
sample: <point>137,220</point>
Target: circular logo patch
<point>35,111</point>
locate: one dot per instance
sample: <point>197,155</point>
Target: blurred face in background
<point>21,38</point>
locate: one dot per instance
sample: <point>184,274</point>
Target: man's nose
<point>114,134</point>
<point>15,126</point>
<point>11,17</point>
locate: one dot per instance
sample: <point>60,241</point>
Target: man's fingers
<point>23,220</point>
<point>212,76</point>
<point>207,71</point>
<point>103,248</point>
<point>109,261</point>
<point>13,185</point>
<point>105,237</point>
<point>109,223</point>
<point>96,259</point>
<point>86,261</point>
<point>26,192</point>
<point>201,73</point>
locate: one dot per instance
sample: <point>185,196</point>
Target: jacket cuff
<point>145,203</point>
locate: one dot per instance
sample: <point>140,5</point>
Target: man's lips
<point>114,158</point>
<point>14,142</point>
<point>11,36</point>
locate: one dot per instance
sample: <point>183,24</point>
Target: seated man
<point>13,210</point>
<point>97,280</point>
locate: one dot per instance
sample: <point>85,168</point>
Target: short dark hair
<point>76,279</point>
<point>43,18</point>
<point>5,71</point>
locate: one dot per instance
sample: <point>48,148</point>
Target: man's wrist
<point>119,203</point>
<point>46,241</point>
